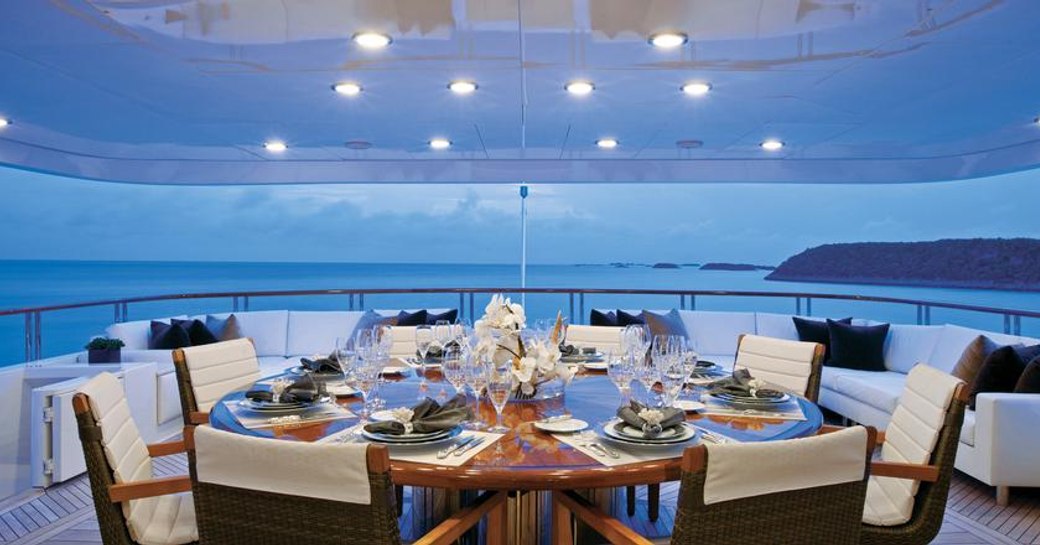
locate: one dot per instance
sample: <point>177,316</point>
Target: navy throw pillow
<point>451,316</point>
<point>197,332</point>
<point>411,319</point>
<point>626,319</point>
<point>1029,382</point>
<point>665,324</point>
<point>168,336</point>
<point>608,319</point>
<point>815,331</point>
<point>857,346</point>
<point>1002,370</point>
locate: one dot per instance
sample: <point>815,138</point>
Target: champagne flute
<point>476,379</point>
<point>423,339</point>
<point>442,334</point>
<point>499,386</point>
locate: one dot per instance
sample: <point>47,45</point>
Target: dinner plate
<point>570,425</point>
<point>342,390</point>
<point>599,365</point>
<point>300,371</point>
<point>608,433</point>
<point>413,439</point>
<point>384,415</point>
<point>670,435</point>
<point>430,364</point>
<point>743,400</point>
<point>582,358</point>
<point>394,370</point>
<point>689,405</point>
<point>273,408</point>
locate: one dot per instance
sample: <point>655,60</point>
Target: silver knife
<point>455,447</point>
<point>472,444</point>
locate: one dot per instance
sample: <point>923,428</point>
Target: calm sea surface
<point>36,283</point>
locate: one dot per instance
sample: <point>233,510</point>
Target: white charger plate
<point>690,405</point>
<point>595,365</point>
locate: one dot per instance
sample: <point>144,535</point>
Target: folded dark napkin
<point>671,417</point>
<point>326,365</point>
<point>427,417</point>
<point>739,384</point>
<point>302,390</point>
<point>569,350</point>
<point>435,352</point>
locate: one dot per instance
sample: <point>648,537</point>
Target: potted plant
<point>104,350</point>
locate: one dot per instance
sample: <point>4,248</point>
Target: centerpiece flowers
<point>535,361</point>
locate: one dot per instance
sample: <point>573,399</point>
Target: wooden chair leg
<point>498,525</point>
<point>630,500</point>
<point>653,495</point>
<point>562,534</point>
<point>399,496</point>
<point>1003,495</point>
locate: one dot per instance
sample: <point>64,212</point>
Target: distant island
<point>1007,264</point>
<point>735,267</point>
<point>665,266</point>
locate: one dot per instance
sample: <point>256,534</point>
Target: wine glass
<point>345,356</point>
<point>499,386</point>
<point>423,339</point>
<point>621,370</point>
<point>383,337</point>
<point>673,379</point>
<point>453,367</point>
<point>366,377</point>
<point>476,379</point>
<point>648,375</point>
<point>442,335</point>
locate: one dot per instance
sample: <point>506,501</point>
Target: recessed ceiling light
<point>667,40</point>
<point>372,40</point>
<point>347,88</point>
<point>607,143</point>
<point>696,88</point>
<point>275,146</point>
<point>772,145</point>
<point>440,143</point>
<point>580,87</point>
<point>4,122</point>
<point>462,87</point>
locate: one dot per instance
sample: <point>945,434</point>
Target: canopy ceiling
<point>187,92</point>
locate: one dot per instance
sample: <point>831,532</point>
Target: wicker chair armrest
<point>609,527</point>
<point>168,448</point>
<point>460,522</point>
<point>149,488</point>
<point>915,472</point>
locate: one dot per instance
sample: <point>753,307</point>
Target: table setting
<point>285,401</point>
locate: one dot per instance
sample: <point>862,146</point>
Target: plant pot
<point>108,355</point>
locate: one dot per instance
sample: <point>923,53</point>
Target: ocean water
<point>39,283</point>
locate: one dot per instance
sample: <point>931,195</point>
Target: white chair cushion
<point>164,520</point>
<point>717,332</point>
<point>744,470</point>
<point>269,330</point>
<point>316,332</point>
<point>603,338</point>
<point>777,361</point>
<point>908,345</point>
<point>879,389</point>
<point>219,368</point>
<point>910,438</point>
<point>330,471</point>
<point>404,341</point>
<point>135,334</point>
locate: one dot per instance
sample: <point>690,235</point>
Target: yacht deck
<point>64,514</point>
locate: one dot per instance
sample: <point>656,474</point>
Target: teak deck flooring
<point>64,514</point>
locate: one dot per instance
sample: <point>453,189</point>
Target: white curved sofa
<point>993,447</point>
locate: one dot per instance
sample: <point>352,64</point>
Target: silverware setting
<point>591,442</point>
<point>557,418</point>
<point>472,445</point>
<point>454,447</point>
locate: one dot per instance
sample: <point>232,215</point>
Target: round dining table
<point>526,459</point>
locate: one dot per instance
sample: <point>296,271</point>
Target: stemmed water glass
<point>672,379</point>
<point>648,375</point>
<point>453,367</point>
<point>442,335</point>
<point>621,370</point>
<point>499,386</point>
<point>366,376</point>
<point>476,379</point>
<point>423,339</point>
<point>346,356</point>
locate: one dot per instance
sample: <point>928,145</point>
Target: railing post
<point>1017,325</point>
<point>572,307</point>
<point>927,315</point>
<point>682,301</point>
<point>471,294</point>
<point>693,302</point>
<point>581,307</point>
<point>116,313</point>
<point>797,306</point>
<point>920,315</point>
<point>245,303</point>
<point>1007,324</point>
<point>462,304</point>
<point>351,307</point>
<point>29,336</point>
<point>126,312</point>
<point>361,300</point>
<point>234,303</point>
<point>808,306</point>
<point>39,336</point>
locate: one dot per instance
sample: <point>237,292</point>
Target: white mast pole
<point>523,242</point>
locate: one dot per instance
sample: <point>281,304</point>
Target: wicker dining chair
<point>207,372</point>
<point>799,491</point>
<point>792,365</point>
<point>252,490</point>
<point>931,399</point>
<point>132,506</point>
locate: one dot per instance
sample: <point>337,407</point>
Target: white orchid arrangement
<point>534,362</point>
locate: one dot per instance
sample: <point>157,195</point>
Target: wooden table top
<point>526,458</point>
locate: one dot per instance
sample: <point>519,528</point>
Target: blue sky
<point>50,217</point>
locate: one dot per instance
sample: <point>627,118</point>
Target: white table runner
<point>422,455</point>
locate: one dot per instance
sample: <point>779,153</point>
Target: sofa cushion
<point>777,326</point>
<point>371,319</point>
<point>166,336</point>
<point>197,331</point>
<point>857,347</point>
<point>717,332</point>
<point>974,355</point>
<point>269,330</point>
<point>1029,382</point>
<point>135,335</point>
<point>968,428</point>
<point>167,397</point>
<point>603,319</point>
<point>816,331</point>
<point>908,345</point>
<point>879,389</point>
<point>670,323</point>
<point>627,319</point>
<point>315,332</point>
<point>1001,370</point>
<point>224,329</point>
<point>953,339</point>
<point>434,316</point>
<point>412,319</point>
